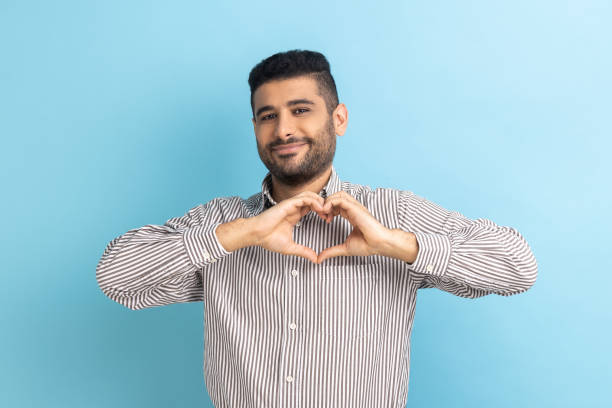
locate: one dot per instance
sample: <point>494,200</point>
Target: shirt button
<point>429,268</point>
<point>297,224</point>
<point>289,378</point>
<point>292,326</point>
<point>294,272</point>
<point>206,256</point>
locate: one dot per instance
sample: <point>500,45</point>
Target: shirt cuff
<point>202,245</point>
<point>433,255</point>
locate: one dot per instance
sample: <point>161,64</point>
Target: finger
<point>322,215</point>
<point>333,200</point>
<point>316,208</point>
<point>335,210</point>
<point>308,194</point>
<point>311,195</point>
<point>338,250</point>
<point>339,205</point>
<point>352,202</point>
<point>343,195</point>
<point>304,252</point>
<point>298,203</point>
<point>304,204</point>
<point>304,210</point>
<point>317,198</point>
<point>315,203</point>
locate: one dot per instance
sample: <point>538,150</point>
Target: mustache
<point>281,142</point>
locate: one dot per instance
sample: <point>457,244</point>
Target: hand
<point>273,228</point>
<point>368,237</point>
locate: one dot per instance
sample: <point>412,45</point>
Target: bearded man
<point>309,286</point>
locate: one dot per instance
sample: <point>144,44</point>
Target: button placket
<point>293,319</point>
<point>292,350</point>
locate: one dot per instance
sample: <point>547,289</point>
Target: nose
<point>285,126</point>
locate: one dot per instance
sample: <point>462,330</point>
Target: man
<point>309,286</point>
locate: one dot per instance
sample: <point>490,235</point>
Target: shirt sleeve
<point>465,257</point>
<point>157,265</point>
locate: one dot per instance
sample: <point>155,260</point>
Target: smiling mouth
<point>288,148</point>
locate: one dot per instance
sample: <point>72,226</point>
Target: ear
<point>340,118</point>
<point>253,120</point>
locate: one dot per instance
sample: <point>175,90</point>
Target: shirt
<point>281,331</point>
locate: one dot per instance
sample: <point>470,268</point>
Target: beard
<point>315,161</point>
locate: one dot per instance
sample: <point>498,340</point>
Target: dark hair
<point>293,63</point>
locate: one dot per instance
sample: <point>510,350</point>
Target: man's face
<point>296,137</point>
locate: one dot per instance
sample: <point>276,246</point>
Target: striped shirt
<point>281,331</point>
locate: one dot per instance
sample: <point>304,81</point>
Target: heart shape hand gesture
<point>273,229</point>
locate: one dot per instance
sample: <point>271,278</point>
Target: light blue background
<point>118,114</point>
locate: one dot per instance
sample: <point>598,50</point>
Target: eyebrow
<point>290,103</point>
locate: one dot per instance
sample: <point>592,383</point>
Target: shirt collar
<point>333,186</point>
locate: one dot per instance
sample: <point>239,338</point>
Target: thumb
<point>303,251</point>
<point>338,250</point>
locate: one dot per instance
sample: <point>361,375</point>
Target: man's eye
<point>271,115</point>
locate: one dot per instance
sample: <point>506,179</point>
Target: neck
<point>282,191</point>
